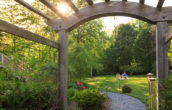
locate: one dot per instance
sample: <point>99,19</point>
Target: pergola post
<point>161,51</point>
<point>63,69</point>
<point>161,56</point>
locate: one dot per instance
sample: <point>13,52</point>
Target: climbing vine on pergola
<point>158,15</point>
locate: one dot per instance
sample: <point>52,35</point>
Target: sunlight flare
<point>64,8</point>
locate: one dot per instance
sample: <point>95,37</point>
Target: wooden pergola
<point>158,15</point>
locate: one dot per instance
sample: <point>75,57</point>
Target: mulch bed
<point>105,106</point>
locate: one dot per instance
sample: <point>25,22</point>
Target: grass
<point>138,83</point>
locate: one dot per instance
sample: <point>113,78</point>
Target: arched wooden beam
<point>114,8</point>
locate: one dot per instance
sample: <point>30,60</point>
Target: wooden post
<point>152,93</point>
<point>161,51</point>
<point>161,56</point>
<point>63,69</point>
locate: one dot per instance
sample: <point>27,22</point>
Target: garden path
<point>124,102</point>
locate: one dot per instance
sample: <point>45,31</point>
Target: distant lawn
<point>138,83</point>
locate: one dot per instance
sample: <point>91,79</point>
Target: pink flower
<point>82,87</point>
<point>79,83</point>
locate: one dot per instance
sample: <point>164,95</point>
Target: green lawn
<point>138,83</point>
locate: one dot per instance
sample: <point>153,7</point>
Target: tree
<point>134,47</point>
<point>86,45</point>
<point>121,52</point>
<point>145,46</point>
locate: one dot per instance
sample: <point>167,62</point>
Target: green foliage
<point>133,49</point>
<point>86,46</point>
<point>26,19</point>
<point>72,84</point>
<point>85,84</point>
<point>120,53</point>
<point>73,88</point>
<point>145,46</point>
<point>26,96</point>
<point>133,68</point>
<point>166,94</point>
<point>71,93</point>
<point>90,98</point>
<point>126,89</point>
<point>49,70</point>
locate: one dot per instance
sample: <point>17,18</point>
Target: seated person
<point>124,75</point>
<point>118,76</point>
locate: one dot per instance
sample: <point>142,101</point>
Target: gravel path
<point>124,102</point>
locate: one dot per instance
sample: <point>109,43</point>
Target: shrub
<point>126,89</point>
<point>86,85</point>
<point>78,85</point>
<point>50,69</point>
<point>71,93</point>
<point>166,94</point>
<point>31,96</point>
<point>90,98</point>
<point>72,85</point>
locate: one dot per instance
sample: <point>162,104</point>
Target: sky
<point>110,22</point>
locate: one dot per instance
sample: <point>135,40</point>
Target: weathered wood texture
<point>70,3</point>
<point>53,8</point>
<point>63,68</point>
<point>114,8</point>
<point>4,60</point>
<point>161,50</point>
<point>160,3</point>
<point>90,2</point>
<point>12,29</point>
<point>34,9</point>
<point>152,93</point>
<point>161,56</point>
<point>142,1</point>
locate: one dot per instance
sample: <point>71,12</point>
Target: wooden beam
<point>107,1</point>
<point>12,29</point>
<point>142,2</point>
<point>63,69</point>
<point>53,8</point>
<point>160,3</point>
<point>34,9</point>
<point>90,2</point>
<point>124,0</point>
<point>70,3</point>
<point>114,8</point>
